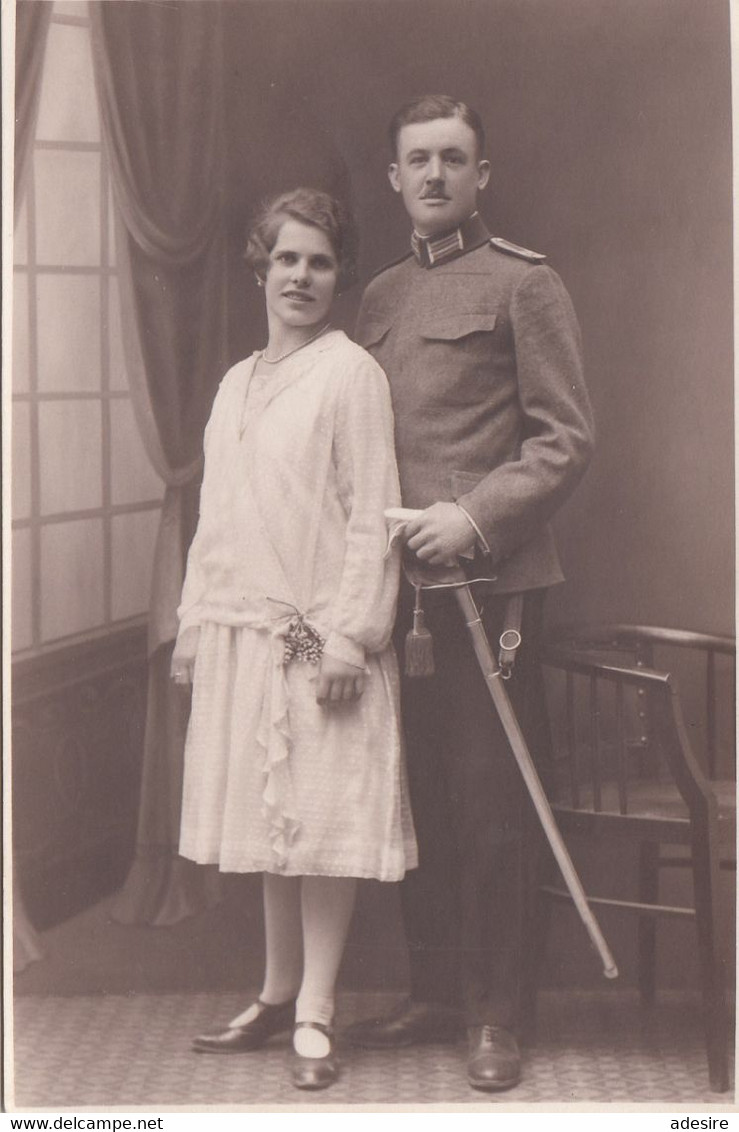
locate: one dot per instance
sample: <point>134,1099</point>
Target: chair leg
<point>706,886</point>
<point>648,894</point>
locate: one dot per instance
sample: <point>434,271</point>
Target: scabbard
<point>523,758</point>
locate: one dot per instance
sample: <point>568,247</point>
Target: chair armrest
<point>618,635</point>
<point>569,660</point>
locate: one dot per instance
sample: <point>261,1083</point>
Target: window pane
<point>134,537</point>
<point>20,235</point>
<point>67,208</point>
<point>70,445</point>
<point>20,333</point>
<point>118,378</point>
<point>133,478</point>
<point>22,587</point>
<point>68,106</point>
<point>68,333</point>
<point>21,460</point>
<point>71,577</point>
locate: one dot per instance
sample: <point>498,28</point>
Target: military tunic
<point>482,352</point>
<point>481,348</point>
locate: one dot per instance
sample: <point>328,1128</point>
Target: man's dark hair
<point>426,108</point>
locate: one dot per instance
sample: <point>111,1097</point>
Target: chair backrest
<point>619,719</point>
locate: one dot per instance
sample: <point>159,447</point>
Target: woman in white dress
<point>293,760</point>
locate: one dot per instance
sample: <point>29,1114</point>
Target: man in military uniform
<point>493,431</point>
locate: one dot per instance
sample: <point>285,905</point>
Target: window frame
<point>105,395</point>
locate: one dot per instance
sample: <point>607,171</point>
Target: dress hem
<point>386,878</point>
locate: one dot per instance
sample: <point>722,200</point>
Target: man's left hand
<point>440,534</point>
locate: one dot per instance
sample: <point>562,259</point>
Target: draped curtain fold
<point>158,72</point>
<point>31,31</point>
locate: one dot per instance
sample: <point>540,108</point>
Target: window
<point>86,500</point>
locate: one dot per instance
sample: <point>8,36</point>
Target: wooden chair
<point>628,771</point>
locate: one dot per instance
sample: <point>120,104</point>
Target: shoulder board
<point>514,249</point>
<point>392,263</point>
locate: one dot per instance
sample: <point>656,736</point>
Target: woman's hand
<point>338,682</point>
<point>183,658</point>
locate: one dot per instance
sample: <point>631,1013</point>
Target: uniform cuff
<point>480,536</point>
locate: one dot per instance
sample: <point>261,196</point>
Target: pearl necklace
<point>294,350</point>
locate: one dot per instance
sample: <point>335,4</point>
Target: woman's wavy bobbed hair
<point>309,206</point>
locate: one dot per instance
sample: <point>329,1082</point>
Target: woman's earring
<point>260,282</point>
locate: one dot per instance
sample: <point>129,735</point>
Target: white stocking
<point>282,931</point>
<point>327,905</point>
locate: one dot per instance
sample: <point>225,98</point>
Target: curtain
<point>31,31</point>
<point>32,19</point>
<point>158,72</point>
<point>26,941</point>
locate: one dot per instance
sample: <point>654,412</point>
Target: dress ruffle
<point>274,781</point>
<point>275,741</point>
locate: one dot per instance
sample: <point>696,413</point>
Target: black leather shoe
<point>240,1039</point>
<point>494,1058</point>
<point>314,1072</point>
<point>413,1023</point>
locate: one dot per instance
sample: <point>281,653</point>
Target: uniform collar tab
<point>430,251</point>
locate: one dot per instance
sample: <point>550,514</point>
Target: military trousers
<point>465,907</point>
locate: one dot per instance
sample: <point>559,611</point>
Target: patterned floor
<point>127,1051</point>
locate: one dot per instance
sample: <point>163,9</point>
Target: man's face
<point>439,173</point>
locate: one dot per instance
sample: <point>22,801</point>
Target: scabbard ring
<point>516,639</point>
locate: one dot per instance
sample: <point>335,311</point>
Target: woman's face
<point>301,277</point>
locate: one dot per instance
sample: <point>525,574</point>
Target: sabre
<point>521,753</point>
<point>454,578</point>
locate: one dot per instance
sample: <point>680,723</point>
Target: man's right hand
<point>440,534</point>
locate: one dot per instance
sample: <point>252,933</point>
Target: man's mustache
<point>434,194</point>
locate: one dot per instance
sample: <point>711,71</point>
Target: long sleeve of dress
<point>195,586</point>
<point>363,611</point>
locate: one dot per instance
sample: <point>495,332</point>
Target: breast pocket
<point>458,348</point>
<point>452,326</point>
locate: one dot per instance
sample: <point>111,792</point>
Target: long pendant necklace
<point>294,350</point>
